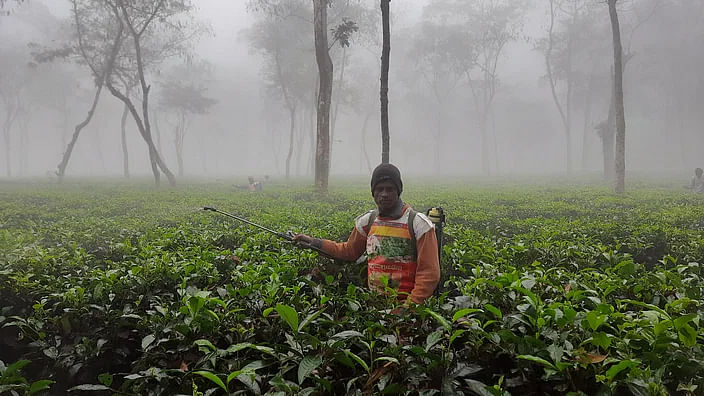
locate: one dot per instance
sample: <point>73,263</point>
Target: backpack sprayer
<point>283,235</point>
<point>437,216</point>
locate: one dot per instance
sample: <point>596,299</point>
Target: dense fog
<point>470,90</point>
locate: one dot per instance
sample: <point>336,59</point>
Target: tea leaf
<point>213,378</point>
<point>456,334</point>
<point>464,312</point>
<point>289,315</point>
<point>309,319</point>
<point>687,335</point>
<point>39,386</point>
<point>89,387</point>
<point>602,340</point>
<point>440,319</point>
<point>307,365</point>
<point>595,319</point>
<point>357,359</point>
<point>614,370</point>
<point>148,340</point>
<point>105,379</point>
<point>205,343</point>
<point>537,359</point>
<point>432,339</point>
<point>343,335</point>
<point>495,311</point>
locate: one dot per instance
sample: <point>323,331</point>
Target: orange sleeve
<point>348,251</point>
<point>428,269</point>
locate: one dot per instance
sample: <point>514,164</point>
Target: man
<point>697,184</point>
<point>386,236</point>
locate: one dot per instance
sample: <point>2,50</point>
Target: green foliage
<point>560,290</point>
<point>13,382</point>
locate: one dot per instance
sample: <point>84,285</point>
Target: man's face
<point>385,196</point>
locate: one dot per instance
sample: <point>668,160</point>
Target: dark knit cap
<point>387,172</point>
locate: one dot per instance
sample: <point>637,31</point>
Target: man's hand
<point>306,241</point>
<point>302,239</point>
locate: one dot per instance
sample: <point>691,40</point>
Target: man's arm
<point>348,251</point>
<point>428,269</point>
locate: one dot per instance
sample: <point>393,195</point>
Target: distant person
<point>697,183</point>
<point>251,183</point>
<point>409,265</point>
<point>254,186</point>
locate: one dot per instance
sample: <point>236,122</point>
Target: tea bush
<point>129,289</point>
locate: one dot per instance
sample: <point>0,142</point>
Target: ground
<point>547,289</point>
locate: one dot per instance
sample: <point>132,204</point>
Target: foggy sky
<point>236,137</point>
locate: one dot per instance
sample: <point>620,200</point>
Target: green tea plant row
<point>131,290</point>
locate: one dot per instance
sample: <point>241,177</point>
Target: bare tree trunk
<point>99,150</point>
<point>292,129</point>
<point>607,137</point>
<point>22,122</point>
<point>10,117</point>
<point>125,153</point>
<point>142,123</point>
<point>179,159</point>
<point>65,127</point>
<point>76,132</point>
<point>158,132</point>
<point>101,78</point>
<point>325,71</point>
<point>364,141</point>
<point>178,146</point>
<point>300,138</point>
<point>8,161</point>
<point>340,84</point>
<point>384,93</point>
<point>439,136</point>
<point>564,113</point>
<point>495,140</point>
<point>620,160</point>
<point>154,156</point>
<point>154,166</point>
<point>683,138</point>
<point>486,166</point>
<point>587,121</point>
<point>182,137</point>
<point>312,122</point>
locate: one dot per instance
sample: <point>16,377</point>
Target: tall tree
<point>619,107</point>
<point>363,98</point>
<point>13,81</point>
<point>281,12</point>
<point>284,39</point>
<point>494,24</point>
<point>121,41</point>
<point>325,75</point>
<point>440,55</point>
<point>184,96</point>
<point>123,137</point>
<point>564,105</point>
<point>101,62</point>
<point>138,22</point>
<point>607,129</point>
<point>384,90</point>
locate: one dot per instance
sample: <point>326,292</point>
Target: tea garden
<point>126,289</point>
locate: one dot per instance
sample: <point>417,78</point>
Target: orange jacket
<point>427,273</point>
